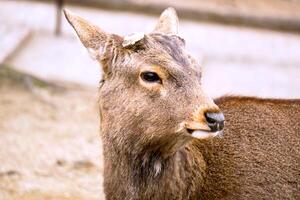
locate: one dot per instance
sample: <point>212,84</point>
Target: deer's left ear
<point>91,36</point>
<point>168,22</point>
<point>99,44</point>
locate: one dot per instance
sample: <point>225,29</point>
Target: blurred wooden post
<point>59,5</point>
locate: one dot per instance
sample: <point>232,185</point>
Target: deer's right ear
<point>168,22</point>
<point>91,36</point>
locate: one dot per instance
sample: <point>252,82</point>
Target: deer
<point>165,138</point>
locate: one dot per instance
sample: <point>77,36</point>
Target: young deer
<point>157,125</point>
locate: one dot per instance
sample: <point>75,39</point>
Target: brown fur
<point>259,155</point>
<point>149,152</point>
<point>258,158</point>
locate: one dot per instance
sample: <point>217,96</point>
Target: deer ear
<point>91,36</point>
<point>168,22</point>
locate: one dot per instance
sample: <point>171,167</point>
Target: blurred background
<point>49,126</point>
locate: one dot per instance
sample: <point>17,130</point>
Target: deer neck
<point>141,165</point>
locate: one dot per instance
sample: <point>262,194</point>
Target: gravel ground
<point>49,138</point>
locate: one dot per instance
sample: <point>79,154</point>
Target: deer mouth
<point>203,134</point>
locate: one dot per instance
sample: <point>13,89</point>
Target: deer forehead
<point>163,51</point>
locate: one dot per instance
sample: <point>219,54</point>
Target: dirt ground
<point>49,139</point>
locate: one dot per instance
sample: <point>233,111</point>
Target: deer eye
<point>151,77</point>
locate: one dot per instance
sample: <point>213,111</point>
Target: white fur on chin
<point>205,134</point>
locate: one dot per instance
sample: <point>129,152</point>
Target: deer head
<point>151,97</point>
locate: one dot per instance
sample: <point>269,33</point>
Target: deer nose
<point>215,120</point>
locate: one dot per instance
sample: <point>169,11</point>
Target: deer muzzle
<point>206,124</point>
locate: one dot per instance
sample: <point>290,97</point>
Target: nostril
<point>215,121</point>
<point>210,118</point>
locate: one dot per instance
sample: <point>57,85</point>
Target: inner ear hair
<point>100,45</point>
